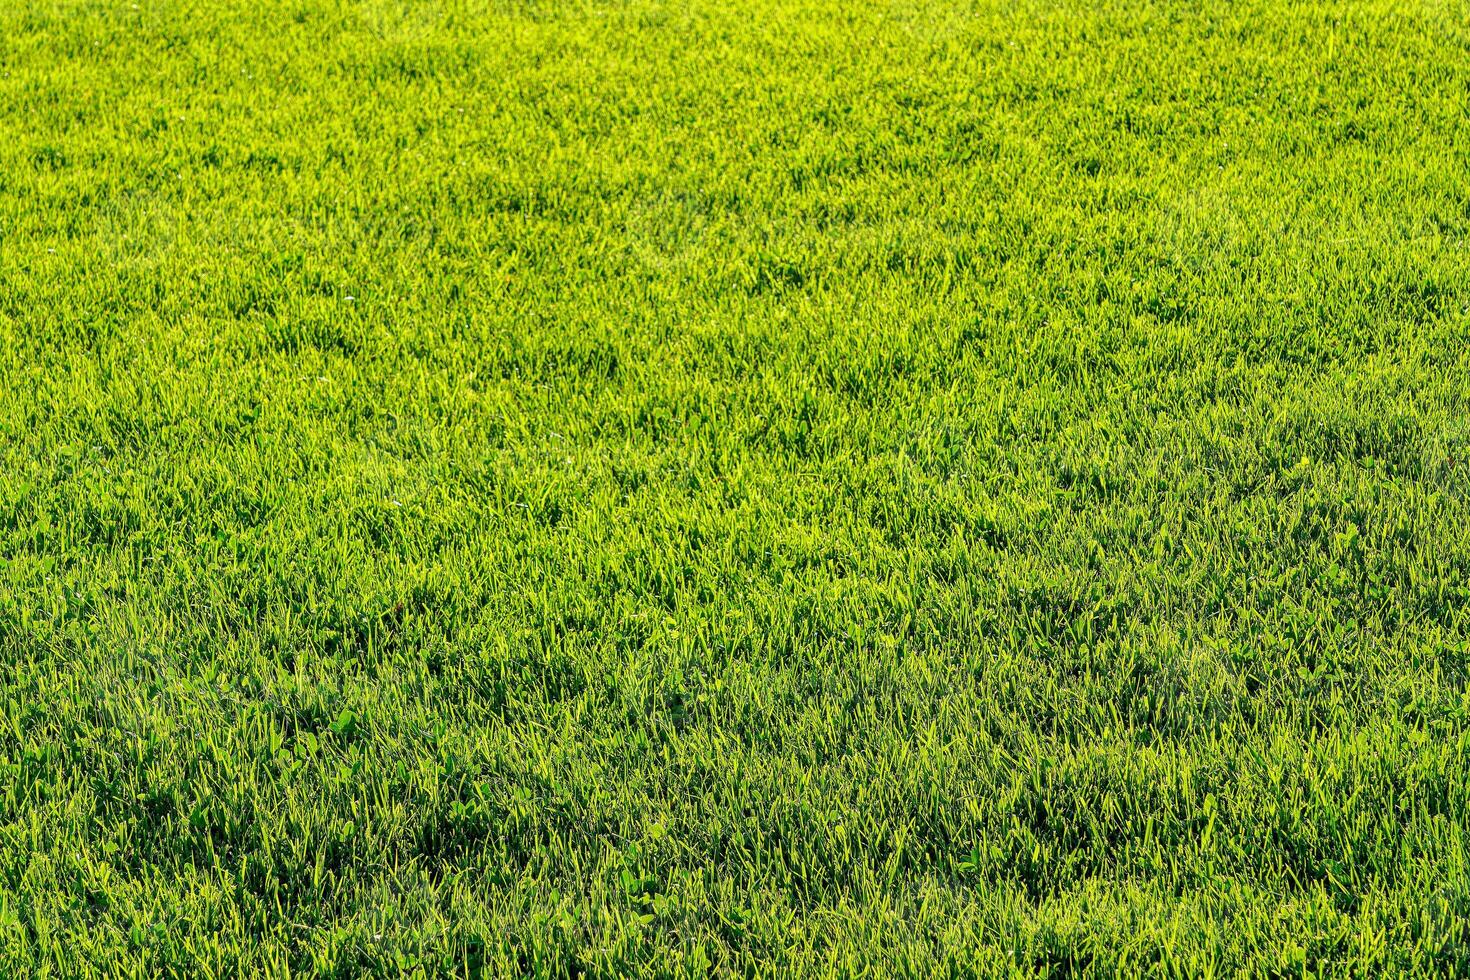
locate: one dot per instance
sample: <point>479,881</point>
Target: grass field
<point>788,488</point>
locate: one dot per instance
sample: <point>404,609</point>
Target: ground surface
<point>808,487</point>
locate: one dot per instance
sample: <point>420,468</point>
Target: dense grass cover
<point>793,487</point>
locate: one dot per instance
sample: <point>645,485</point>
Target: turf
<point>789,488</point>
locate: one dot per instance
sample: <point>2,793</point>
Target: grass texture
<point>779,488</point>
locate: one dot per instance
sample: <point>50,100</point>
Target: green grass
<point>786,488</point>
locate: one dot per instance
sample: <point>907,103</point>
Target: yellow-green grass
<point>787,488</point>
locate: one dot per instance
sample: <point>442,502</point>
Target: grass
<point>791,488</point>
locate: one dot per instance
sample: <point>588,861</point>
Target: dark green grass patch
<point>815,489</point>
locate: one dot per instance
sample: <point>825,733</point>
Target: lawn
<point>778,488</point>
